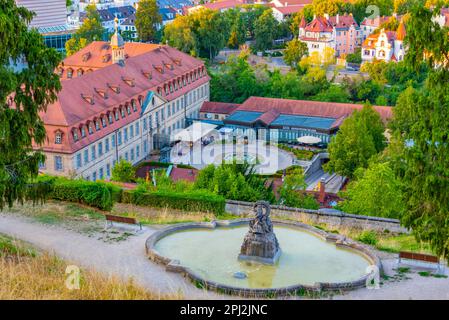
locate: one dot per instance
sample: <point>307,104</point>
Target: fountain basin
<point>311,260</point>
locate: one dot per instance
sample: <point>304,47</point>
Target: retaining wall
<point>333,219</point>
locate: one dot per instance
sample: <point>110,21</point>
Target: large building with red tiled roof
<point>385,45</point>
<point>287,120</point>
<point>340,33</point>
<point>122,108</point>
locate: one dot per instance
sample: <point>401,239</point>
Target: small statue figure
<point>260,243</point>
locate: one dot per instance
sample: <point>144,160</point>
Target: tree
<point>179,35</point>
<point>210,32</point>
<point>234,181</point>
<point>375,192</point>
<point>147,18</point>
<point>264,33</point>
<point>294,52</point>
<point>24,92</point>
<point>306,13</point>
<point>90,30</point>
<point>292,192</point>
<point>331,7</point>
<point>360,137</point>
<point>123,171</point>
<point>355,57</point>
<point>74,45</point>
<point>420,129</point>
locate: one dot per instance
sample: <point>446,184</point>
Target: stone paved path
<point>127,259</point>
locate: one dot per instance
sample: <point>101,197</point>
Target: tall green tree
<point>147,18</point>
<point>25,90</point>
<point>90,30</point>
<point>376,191</point>
<point>361,136</point>
<point>294,52</point>
<point>265,31</point>
<point>420,132</point>
<point>179,35</point>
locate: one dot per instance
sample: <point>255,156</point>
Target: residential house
<point>385,45</point>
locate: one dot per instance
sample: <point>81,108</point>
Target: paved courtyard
<point>267,159</point>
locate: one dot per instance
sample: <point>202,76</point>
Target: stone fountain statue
<point>260,243</point>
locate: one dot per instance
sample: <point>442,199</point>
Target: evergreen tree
<point>420,133</point>
<point>24,92</point>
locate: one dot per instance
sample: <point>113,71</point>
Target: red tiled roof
<point>177,174</point>
<point>287,3</point>
<point>307,108</point>
<point>218,5</point>
<point>319,24</point>
<point>71,110</point>
<point>344,21</point>
<point>218,107</point>
<point>96,50</point>
<point>289,9</point>
<point>376,22</point>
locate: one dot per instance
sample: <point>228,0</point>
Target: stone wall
<point>332,219</point>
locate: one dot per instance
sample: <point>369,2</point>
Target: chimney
<point>322,195</point>
<point>326,15</point>
<point>338,18</point>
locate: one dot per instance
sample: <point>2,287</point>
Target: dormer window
<point>79,72</point>
<point>83,132</point>
<point>176,85</point>
<point>140,100</point>
<point>60,71</point>
<point>69,73</point>
<point>114,88</point>
<point>91,129</point>
<point>122,111</point>
<point>129,81</point>
<point>147,74</point>
<point>110,117</point>
<point>128,109</point>
<point>103,122</point>
<point>97,125</point>
<point>171,88</point>
<point>102,92</point>
<point>86,56</point>
<point>88,98</point>
<point>116,116</point>
<point>133,103</point>
<point>184,80</point>
<point>58,137</point>
<point>106,58</point>
<point>75,135</point>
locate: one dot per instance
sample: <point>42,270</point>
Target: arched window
<point>103,122</point>
<point>110,117</point>
<point>133,103</point>
<point>122,111</point>
<point>83,131</point>
<point>97,125</point>
<point>128,109</point>
<point>69,73</point>
<point>58,137</point>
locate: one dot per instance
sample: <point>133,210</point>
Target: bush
<point>198,200</point>
<point>300,154</point>
<point>368,237</point>
<point>153,164</point>
<point>95,194</point>
<point>123,171</point>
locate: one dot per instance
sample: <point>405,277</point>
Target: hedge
<point>95,194</point>
<point>187,201</point>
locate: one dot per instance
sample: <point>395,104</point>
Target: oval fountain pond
<point>306,259</point>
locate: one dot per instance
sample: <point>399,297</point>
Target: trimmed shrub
<point>95,194</point>
<point>198,200</point>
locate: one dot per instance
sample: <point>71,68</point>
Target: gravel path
<point>127,259</point>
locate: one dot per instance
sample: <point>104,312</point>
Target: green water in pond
<point>305,258</point>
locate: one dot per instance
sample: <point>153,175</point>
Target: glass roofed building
<point>281,119</point>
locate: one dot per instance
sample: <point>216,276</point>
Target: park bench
<point>110,219</point>
<point>420,257</point>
